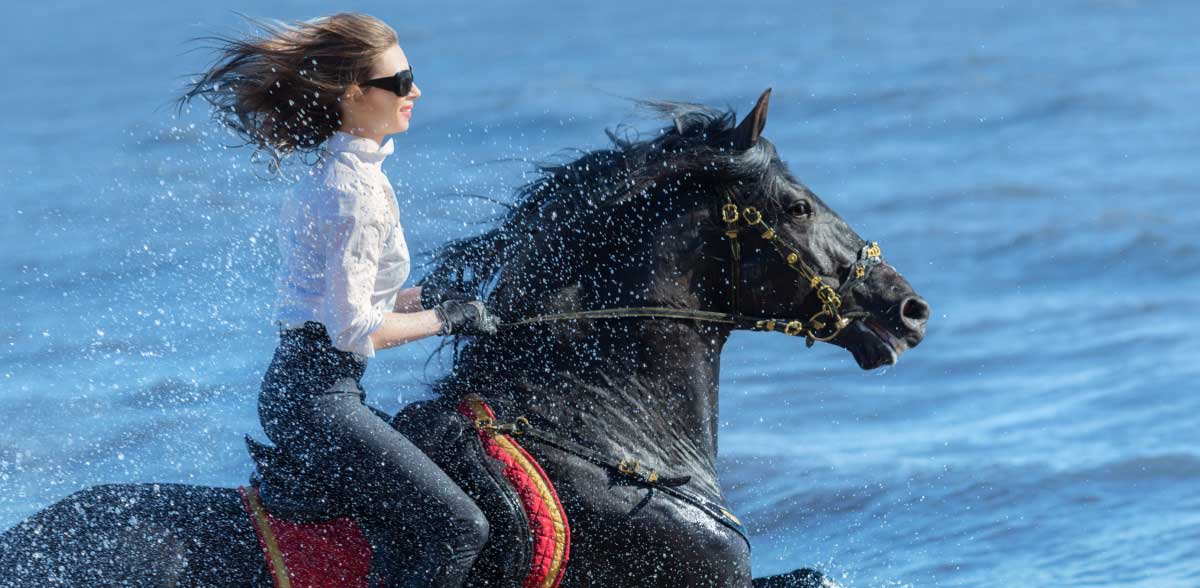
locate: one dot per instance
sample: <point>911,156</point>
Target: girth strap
<point>627,469</point>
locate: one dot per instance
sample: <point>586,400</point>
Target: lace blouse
<point>343,253</point>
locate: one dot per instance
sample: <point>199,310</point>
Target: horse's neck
<point>636,388</point>
<point>652,396</point>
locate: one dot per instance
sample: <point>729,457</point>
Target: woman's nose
<point>416,92</point>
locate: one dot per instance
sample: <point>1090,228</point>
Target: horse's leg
<point>801,578</point>
<point>136,535</point>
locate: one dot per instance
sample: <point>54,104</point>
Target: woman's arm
<point>408,300</point>
<point>399,328</point>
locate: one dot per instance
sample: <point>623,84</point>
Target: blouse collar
<point>366,149</point>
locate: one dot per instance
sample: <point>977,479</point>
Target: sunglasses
<point>400,84</point>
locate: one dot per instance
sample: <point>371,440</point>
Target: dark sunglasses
<point>400,84</point>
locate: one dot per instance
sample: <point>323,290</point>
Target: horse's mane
<point>584,191</point>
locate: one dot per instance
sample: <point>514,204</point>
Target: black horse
<point>620,275</point>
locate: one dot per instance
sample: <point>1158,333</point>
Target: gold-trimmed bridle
<point>823,325</point>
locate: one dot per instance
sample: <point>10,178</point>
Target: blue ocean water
<point>1030,167</point>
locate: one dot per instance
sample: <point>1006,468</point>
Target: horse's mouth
<point>873,345</point>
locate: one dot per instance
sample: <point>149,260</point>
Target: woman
<point>337,86</point>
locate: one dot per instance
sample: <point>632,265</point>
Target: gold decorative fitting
<point>815,283</point>
<point>766,325</point>
<point>632,468</point>
<point>793,328</point>
<point>829,297</point>
<point>731,234</point>
<point>768,234</point>
<point>752,215</point>
<point>859,271</point>
<point>628,467</point>
<point>818,324</point>
<point>792,258</point>
<point>491,427</point>
<point>729,213</point>
<point>874,250</point>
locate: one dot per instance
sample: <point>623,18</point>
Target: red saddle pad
<point>335,552</point>
<point>327,553</point>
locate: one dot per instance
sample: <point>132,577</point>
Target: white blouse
<point>343,253</point>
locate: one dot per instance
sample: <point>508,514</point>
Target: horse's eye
<point>799,208</point>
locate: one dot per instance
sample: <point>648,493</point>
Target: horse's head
<point>797,258</point>
<point>650,223</point>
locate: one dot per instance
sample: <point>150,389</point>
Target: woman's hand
<point>461,317</point>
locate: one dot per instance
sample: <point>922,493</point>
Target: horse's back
<point>135,535</point>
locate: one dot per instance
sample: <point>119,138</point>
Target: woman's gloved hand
<point>461,317</point>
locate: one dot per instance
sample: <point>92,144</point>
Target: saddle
<point>309,539</point>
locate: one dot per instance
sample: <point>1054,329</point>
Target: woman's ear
<point>353,93</point>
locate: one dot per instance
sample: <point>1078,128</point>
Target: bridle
<point>826,323</point>
<point>823,325</point>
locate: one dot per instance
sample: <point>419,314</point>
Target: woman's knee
<point>475,528</point>
<point>462,524</point>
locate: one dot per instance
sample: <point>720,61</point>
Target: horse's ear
<point>680,125</point>
<point>747,133</point>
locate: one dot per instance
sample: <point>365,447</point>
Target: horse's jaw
<point>872,344</point>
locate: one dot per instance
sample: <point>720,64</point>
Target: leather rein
<point>824,325</point>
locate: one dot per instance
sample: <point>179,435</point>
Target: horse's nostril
<point>914,311</point>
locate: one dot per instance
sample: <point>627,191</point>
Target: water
<point>1030,168</point>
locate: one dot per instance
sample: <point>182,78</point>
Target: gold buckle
<point>752,213</point>
<point>729,213</point>
<point>768,234</point>
<point>874,250</point>
<point>793,328</point>
<point>829,297</point>
<point>490,426</point>
<point>629,467</point>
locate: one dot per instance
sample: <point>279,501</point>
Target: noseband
<point>823,325</point>
<point>826,323</point>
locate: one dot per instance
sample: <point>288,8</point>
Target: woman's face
<point>377,112</point>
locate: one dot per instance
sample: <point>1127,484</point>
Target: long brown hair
<point>280,91</point>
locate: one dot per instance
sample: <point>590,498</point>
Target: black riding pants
<point>427,530</point>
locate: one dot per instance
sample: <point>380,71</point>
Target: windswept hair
<point>280,91</point>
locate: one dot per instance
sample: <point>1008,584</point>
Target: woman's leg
<point>393,487</point>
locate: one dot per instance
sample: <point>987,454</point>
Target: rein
<point>824,325</point>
